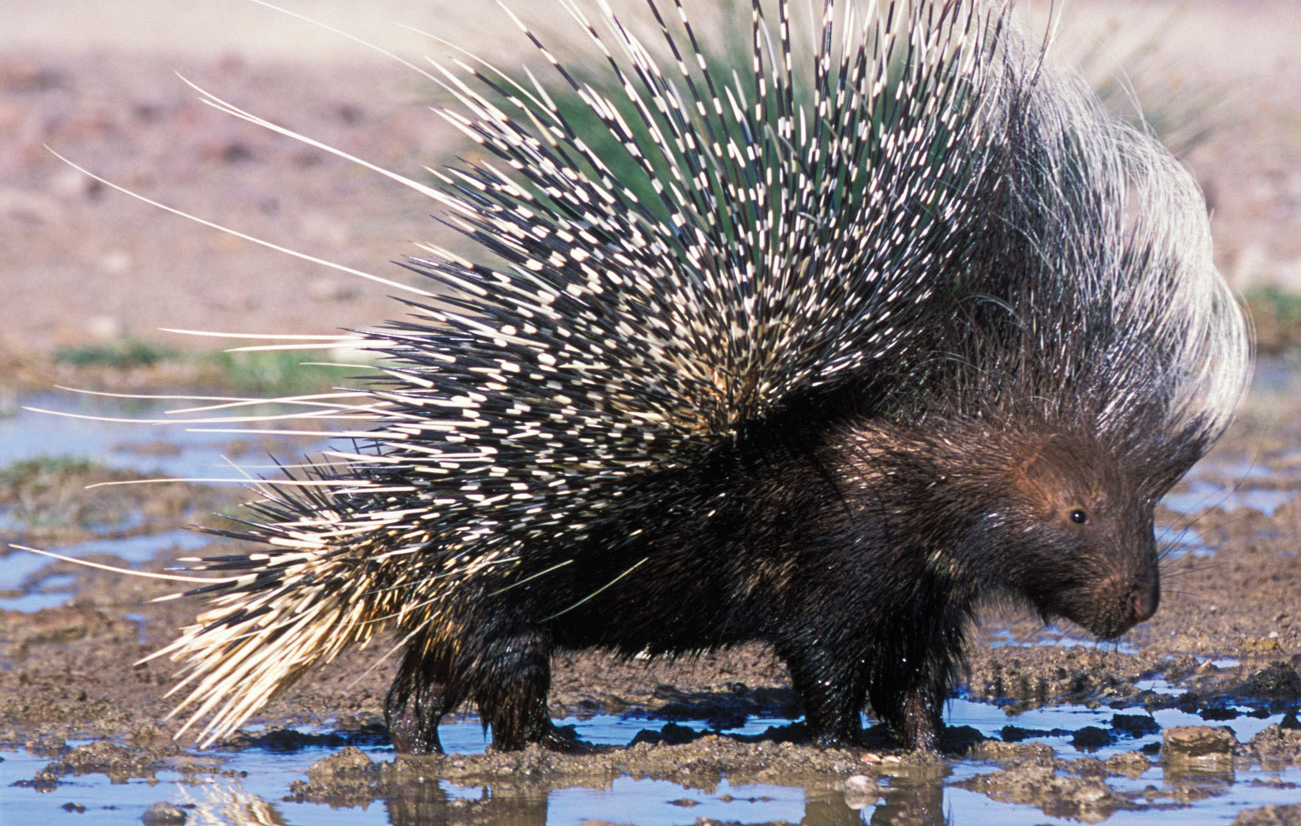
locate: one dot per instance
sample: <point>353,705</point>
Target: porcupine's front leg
<point>913,714</point>
<point>833,692</point>
<point>511,690</point>
<point>910,681</point>
<point>834,688</point>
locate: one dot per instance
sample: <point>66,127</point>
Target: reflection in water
<point>916,797</point>
<point>411,797</point>
<point>222,802</point>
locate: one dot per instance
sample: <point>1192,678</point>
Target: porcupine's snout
<point>1120,586</point>
<point>1126,598</point>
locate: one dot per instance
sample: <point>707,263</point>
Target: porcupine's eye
<point>1079,517</point>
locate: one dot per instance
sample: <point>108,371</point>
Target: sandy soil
<point>80,263</point>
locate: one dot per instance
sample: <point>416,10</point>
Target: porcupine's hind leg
<point>512,682</point>
<point>422,692</point>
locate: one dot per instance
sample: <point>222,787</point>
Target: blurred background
<point>88,276</point>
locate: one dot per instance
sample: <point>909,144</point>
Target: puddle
<point>20,572</point>
<point>1051,635</point>
<point>256,784</point>
<point>259,797</point>
<point>1228,484</point>
<point>51,592</point>
<point>1174,543</point>
<point>153,450</point>
<point>1199,493</point>
<point>165,449</point>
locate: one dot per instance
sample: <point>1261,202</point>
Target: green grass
<point>122,354</point>
<point>276,372</point>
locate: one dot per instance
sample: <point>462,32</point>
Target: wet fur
<point>857,550</point>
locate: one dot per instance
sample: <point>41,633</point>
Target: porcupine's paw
<point>543,733</point>
<point>564,739</point>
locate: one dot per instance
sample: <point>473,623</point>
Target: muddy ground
<point>82,264</point>
<point>1227,638</point>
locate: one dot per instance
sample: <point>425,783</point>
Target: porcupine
<point>829,360</point>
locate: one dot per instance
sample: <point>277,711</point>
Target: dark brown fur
<point>857,550</point>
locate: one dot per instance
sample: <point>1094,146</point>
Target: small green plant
<point>122,354</point>
<point>276,372</point>
<point>1276,316</point>
<point>1283,305</point>
<point>41,472</point>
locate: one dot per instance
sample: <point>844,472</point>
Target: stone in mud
<point>163,814</point>
<point>1199,749</point>
<point>1270,816</point>
<point>861,791</point>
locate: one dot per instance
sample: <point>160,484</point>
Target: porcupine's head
<point>1070,532</point>
<point>1099,356</point>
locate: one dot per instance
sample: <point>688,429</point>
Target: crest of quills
<point>821,355</point>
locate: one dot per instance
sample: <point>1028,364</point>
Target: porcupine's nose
<point>1143,601</point>
<point>1124,599</point>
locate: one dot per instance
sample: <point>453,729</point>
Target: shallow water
<point>263,780</point>
<point>233,801</point>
